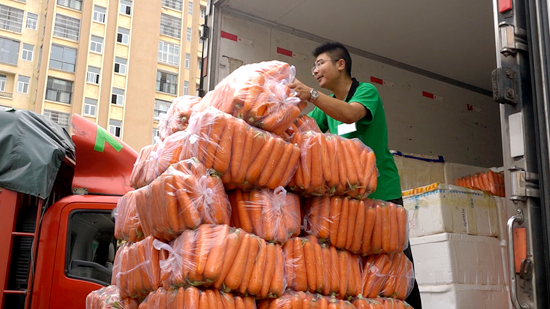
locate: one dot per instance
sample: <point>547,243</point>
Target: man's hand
<point>303,91</point>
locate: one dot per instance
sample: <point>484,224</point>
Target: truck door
<point>521,86</point>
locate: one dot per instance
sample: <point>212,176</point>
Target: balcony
<point>8,95</point>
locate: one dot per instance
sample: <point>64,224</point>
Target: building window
<point>117,97</point>
<point>63,58</point>
<point>115,127</point>
<point>90,106</point>
<point>203,11</point>
<point>73,4</point>
<point>28,51</point>
<point>60,118</point>
<point>59,90</point>
<point>92,76</point>
<point>99,14</point>
<point>173,4</point>
<point>120,65</point>
<point>189,33</point>
<point>96,44</point>
<point>11,18</point>
<point>9,50</point>
<point>3,80</point>
<point>190,8</point>
<point>23,84</point>
<point>166,82</point>
<point>155,135</point>
<point>170,26</point>
<point>125,7</point>
<point>66,27</point>
<point>161,107</point>
<point>169,53</point>
<point>122,35</point>
<point>32,21</point>
<point>187,59</point>
<point>185,88</point>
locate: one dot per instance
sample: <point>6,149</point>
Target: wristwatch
<point>314,94</point>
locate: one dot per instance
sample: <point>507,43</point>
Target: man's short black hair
<point>336,51</point>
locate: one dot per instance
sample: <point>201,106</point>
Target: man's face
<point>324,70</point>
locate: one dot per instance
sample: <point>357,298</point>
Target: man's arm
<point>336,109</point>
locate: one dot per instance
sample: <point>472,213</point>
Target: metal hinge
<point>523,184</point>
<point>505,86</point>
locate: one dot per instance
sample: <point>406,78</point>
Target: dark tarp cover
<point>32,148</point>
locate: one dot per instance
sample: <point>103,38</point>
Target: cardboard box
<point>461,296</point>
<point>458,259</point>
<point>418,170</point>
<point>444,208</point>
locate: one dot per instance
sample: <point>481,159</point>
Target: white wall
<point>415,123</point>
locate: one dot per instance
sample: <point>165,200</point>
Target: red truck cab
<point>59,245</point>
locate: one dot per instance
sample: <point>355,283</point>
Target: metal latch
<point>507,39</point>
<point>523,184</point>
<point>80,191</point>
<point>505,86</point>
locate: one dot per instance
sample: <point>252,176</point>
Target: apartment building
<point>118,63</point>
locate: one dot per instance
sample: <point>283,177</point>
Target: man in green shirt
<point>354,110</point>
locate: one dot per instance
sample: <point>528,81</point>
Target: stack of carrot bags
<point>490,182</point>
<point>244,203</point>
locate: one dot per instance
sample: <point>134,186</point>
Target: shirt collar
<point>352,89</point>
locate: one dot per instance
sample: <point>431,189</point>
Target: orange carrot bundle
<point>360,226</point>
<point>127,225</point>
<point>183,197</point>
<point>177,115</point>
<point>490,182</point>
<point>333,165</point>
<point>274,215</point>
<point>387,275</point>
<point>258,94</point>
<point>136,270</point>
<point>319,268</point>
<point>379,303</point>
<point>193,298</point>
<point>138,178</point>
<point>108,298</point>
<point>304,300</point>
<point>302,124</point>
<point>225,258</point>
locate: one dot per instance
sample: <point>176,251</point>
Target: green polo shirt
<point>373,132</point>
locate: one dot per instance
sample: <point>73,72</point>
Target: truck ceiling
<point>448,40</point>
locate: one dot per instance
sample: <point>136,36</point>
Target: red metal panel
<point>8,208</point>
<point>504,5</point>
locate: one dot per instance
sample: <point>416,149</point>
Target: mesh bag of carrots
<point>108,298</point>
<point>258,94</point>
<point>360,226</point>
<point>193,298</point>
<point>319,268</point>
<point>380,303</point>
<point>141,175</point>
<point>177,116</point>
<point>127,225</point>
<point>274,215</point>
<point>387,275</point>
<point>333,165</point>
<point>489,181</point>
<point>305,300</point>
<point>183,197</point>
<point>224,258</point>
<point>136,270</point>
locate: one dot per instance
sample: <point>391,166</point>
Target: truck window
<point>91,246</point>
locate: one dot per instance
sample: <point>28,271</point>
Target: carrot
<point>187,253</point>
<point>272,160</point>
<point>335,270</point>
<point>291,167</point>
<point>259,108</point>
<point>239,175</point>
<point>204,241</point>
<point>269,215</point>
<point>389,286</point>
<point>277,284</point>
<point>355,152</point>
<point>240,133</point>
<point>351,173</point>
<point>180,302</point>
<point>359,228</point>
<point>239,303</point>
<point>343,225</point>
<point>192,297</point>
<point>234,241</point>
<point>276,178</point>
<point>322,222</point>
<point>369,172</point>
<point>342,166</point>
<point>257,165</point>
<point>372,274</point>
<point>222,158</point>
<point>216,129</point>
<point>325,159</point>
<point>353,205</point>
<point>313,213</point>
<point>162,300</point>
<point>171,204</point>
<point>321,279</point>
<point>402,221</point>
<point>311,271</point>
<point>300,272</point>
<point>394,228</point>
<point>316,162</point>
<point>333,162</point>
<point>306,161</point>
<point>244,218</point>
<point>190,214</point>
<point>334,218</point>
<point>255,283</point>
<point>370,219</point>
<point>386,232</point>
<point>383,272</point>
<point>290,273</point>
<point>204,300</point>
<point>228,301</point>
<point>255,207</point>
<point>268,273</point>
<point>214,262</point>
<point>236,271</point>
<point>328,271</point>
<point>343,269</point>
<point>376,242</point>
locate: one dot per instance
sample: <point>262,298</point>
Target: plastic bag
<point>379,303</point>
<point>108,298</point>
<point>257,93</point>
<point>318,268</point>
<point>136,270</point>
<point>138,178</point>
<point>183,197</point>
<point>193,298</point>
<point>302,124</point>
<point>304,300</point>
<point>177,116</point>
<point>489,181</point>
<point>387,275</point>
<point>360,226</point>
<point>274,215</point>
<point>225,258</point>
<point>127,224</point>
<point>333,165</point>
